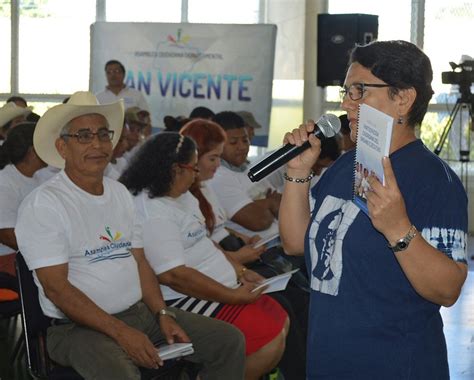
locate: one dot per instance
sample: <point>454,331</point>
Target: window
<point>54,45</point>
<point>143,10</point>
<point>5,39</point>
<point>394,16</point>
<point>448,27</point>
<point>223,12</point>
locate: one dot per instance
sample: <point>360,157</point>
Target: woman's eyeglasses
<point>190,167</point>
<point>85,136</point>
<point>356,91</point>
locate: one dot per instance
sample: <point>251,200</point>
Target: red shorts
<point>260,322</point>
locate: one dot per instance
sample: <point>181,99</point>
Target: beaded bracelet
<point>299,180</point>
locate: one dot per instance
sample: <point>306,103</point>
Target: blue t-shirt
<point>366,320</point>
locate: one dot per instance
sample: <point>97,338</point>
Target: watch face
<point>402,245</point>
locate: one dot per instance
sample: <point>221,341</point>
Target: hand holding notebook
<point>175,350</point>
<point>276,283</point>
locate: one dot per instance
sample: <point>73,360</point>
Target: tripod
<point>465,102</point>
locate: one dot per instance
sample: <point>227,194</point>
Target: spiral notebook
<point>374,134</point>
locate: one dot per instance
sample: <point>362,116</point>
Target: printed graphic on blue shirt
<point>450,241</point>
<point>326,236</point>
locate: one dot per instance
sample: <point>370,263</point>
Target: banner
<point>181,66</point>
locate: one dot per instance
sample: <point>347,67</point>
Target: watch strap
<point>404,242</point>
<point>166,311</point>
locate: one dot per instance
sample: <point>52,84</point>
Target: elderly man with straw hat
<point>77,232</point>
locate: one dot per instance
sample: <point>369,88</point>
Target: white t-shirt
<point>130,96</point>
<point>128,155</point>
<point>174,234</point>
<point>219,231</point>
<point>111,172</point>
<point>60,223</point>
<point>120,164</point>
<point>14,187</point>
<point>46,173</point>
<point>234,191</point>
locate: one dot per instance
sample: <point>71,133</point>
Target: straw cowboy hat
<point>81,103</point>
<point>11,111</point>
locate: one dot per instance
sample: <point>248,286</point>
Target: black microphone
<point>327,126</point>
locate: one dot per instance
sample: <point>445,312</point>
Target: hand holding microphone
<point>298,141</point>
<point>303,135</point>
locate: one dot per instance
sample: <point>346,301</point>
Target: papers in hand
<point>272,240</point>
<point>175,350</point>
<point>276,283</point>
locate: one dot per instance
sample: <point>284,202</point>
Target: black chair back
<point>10,308</point>
<point>35,324</point>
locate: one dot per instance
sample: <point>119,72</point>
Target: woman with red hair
<point>210,138</point>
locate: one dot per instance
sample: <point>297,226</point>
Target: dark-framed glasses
<point>85,136</point>
<point>356,91</point>
<point>190,167</point>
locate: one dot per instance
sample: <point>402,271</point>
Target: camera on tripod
<point>462,74</point>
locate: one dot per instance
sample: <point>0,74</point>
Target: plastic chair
<point>35,324</point>
<point>10,307</point>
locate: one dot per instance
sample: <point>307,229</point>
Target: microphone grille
<point>329,124</point>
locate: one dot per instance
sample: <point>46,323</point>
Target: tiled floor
<point>458,321</point>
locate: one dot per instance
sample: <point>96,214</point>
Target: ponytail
<point>205,206</point>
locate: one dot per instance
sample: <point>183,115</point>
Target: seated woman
<point>18,164</point>
<point>210,138</point>
<point>195,275</point>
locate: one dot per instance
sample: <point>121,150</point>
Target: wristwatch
<point>166,311</point>
<point>402,244</point>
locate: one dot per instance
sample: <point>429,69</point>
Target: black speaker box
<point>337,35</point>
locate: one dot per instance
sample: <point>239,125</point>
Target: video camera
<point>462,74</point>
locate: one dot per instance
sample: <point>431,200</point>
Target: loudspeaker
<point>337,35</point>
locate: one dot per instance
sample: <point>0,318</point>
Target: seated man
<point>252,207</point>
<point>77,232</point>
<point>250,123</point>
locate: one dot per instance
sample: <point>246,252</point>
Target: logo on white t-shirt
<point>116,247</point>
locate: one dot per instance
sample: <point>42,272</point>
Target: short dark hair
<point>17,143</point>
<point>151,168</point>
<point>15,99</point>
<point>115,62</point>
<point>229,120</point>
<point>402,65</point>
<point>201,113</point>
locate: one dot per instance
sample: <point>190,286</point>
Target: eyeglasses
<point>114,71</point>
<point>190,167</point>
<point>85,136</point>
<point>356,91</point>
